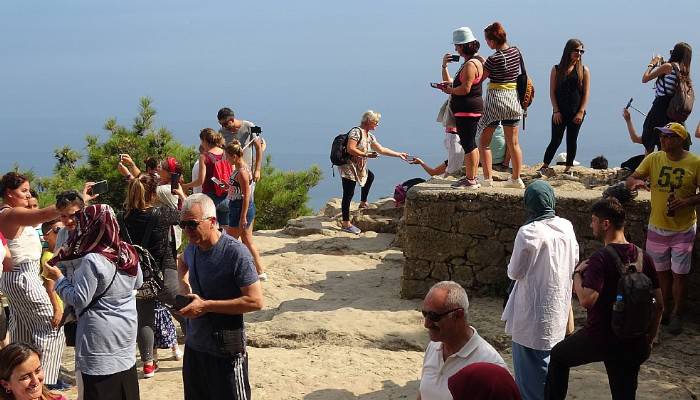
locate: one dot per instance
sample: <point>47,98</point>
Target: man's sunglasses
<point>191,224</point>
<point>436,317</point>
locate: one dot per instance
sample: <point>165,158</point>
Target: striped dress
<point>501,101</point>
<point>31,309</point>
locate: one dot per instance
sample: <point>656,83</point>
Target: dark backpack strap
<point>96,299</point>
<point>616,257</point>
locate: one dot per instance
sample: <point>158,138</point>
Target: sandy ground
<point>334,327</point>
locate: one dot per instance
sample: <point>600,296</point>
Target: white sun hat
<point>561,160</point>
<point>462,35</point>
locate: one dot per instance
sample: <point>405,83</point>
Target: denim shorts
<point>234,216</point>
<point>221,207</point>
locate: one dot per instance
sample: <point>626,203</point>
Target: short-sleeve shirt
<point>602,276</point>
<point>356,169</point>
<point>682,176</point>
<point>222,271</point>
<point>503,65</point>
<point>245,137</point>
<point>436,371</point>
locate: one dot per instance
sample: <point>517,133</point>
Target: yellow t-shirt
<point>683,176</point>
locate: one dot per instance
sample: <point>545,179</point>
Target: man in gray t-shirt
<point>232,128</point>
<point>222,286</point>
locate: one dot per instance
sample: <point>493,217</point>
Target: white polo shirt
<point>433,382</point>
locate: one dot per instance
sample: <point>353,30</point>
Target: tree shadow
<point>389,391</point>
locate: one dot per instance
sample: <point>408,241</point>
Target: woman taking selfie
<point>22,374</point>
<point>32,312</point>
<point>667,75</point>
<point>465,100</point>
<point>569,84</point>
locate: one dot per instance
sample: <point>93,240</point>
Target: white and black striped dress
<point>30,308</point>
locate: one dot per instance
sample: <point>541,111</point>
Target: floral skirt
<point>165,336</point>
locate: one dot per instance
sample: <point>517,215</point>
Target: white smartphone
<point>218,182</point>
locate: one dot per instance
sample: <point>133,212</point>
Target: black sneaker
<point>675,325</point>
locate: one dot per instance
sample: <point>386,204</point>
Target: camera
<point>256,129</point>
<point>454,58</point>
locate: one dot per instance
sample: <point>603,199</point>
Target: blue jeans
<point>235,208</point>
<point>530,367</point>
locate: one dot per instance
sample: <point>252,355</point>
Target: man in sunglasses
<point>454,343</point>
<point>222,285</point>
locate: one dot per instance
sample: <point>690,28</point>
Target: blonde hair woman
<point>240,203</point>
<point>362,144</point>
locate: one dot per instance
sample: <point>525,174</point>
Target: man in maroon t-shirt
<point>595,284</point>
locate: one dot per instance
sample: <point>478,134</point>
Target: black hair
<point>471,48</point>
<point>69,197</point>
<point>46,226</point>
<point>33,193</point>
<point>224,113</point>
<point>611,209</point>
<point>151,163</point>
<point>11,181</point>
<point>599,162</point>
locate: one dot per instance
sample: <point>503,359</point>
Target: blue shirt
<point>106,333</point>
<point>222,271</point>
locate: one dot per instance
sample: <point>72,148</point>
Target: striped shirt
<point>503,65</point>
<point>666,84</point>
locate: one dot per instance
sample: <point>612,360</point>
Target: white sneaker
<point>177,353</point>
<point>514,183</point>
<point>487,182</point>
<point>263,277</point>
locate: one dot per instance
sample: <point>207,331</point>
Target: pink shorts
<point>671,250</point>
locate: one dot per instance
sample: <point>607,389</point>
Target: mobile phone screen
<point>99,188</point>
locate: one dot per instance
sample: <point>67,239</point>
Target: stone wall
<point>467,236</point>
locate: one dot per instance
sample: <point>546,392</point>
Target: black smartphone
<point>174,182</point>
<point>255,129</point>
<point>437,85</point>
<point>181,302</point>
<point>629,103</point>
<point>99,188</point>
<point>454,58</point>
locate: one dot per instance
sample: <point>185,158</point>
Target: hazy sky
<point>306,70</point>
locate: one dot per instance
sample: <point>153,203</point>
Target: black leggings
<point>572,129</point>
<point>349,191</point>
<point>466,129</point>
<point>655,118</point>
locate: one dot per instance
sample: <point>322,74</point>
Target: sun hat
<point>561,160</point>
<point>462,35</point>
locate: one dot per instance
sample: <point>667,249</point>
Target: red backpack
<point>222,171</point>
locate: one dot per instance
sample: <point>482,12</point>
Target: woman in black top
<point>141,214</point>
<point>569,82</point>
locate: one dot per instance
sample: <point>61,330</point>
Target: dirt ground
<point>334,327</point>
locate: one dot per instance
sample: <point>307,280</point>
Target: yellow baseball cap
<point>673,128</point>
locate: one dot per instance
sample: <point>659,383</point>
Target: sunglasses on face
<point>191,224</point>
<point>435,316</point>
<point>579,51</point>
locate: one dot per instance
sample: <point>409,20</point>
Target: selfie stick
<point>629,105</point>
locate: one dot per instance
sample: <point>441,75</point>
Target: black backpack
<point>339,149</point>
<point>634,303</point>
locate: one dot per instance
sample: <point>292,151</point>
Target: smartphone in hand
<point>218,182</point>
<point>454,57</point>
<point>181,302</point>
<point>438,85</point>
<point>98,188</point>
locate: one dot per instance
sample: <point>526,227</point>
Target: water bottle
<point>619,305</point>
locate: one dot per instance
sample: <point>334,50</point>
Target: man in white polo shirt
<point>454,343</point>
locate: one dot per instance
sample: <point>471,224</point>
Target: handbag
<point>69,322</point>
<point>525,88</point>
<point>153,279</point>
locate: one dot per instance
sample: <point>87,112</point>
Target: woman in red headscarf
<point>483,381</point>
<point>102,293</point>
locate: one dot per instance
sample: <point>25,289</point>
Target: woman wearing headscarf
<point>483,381</point>
<point>544,256</point>
<point>102,293</point>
